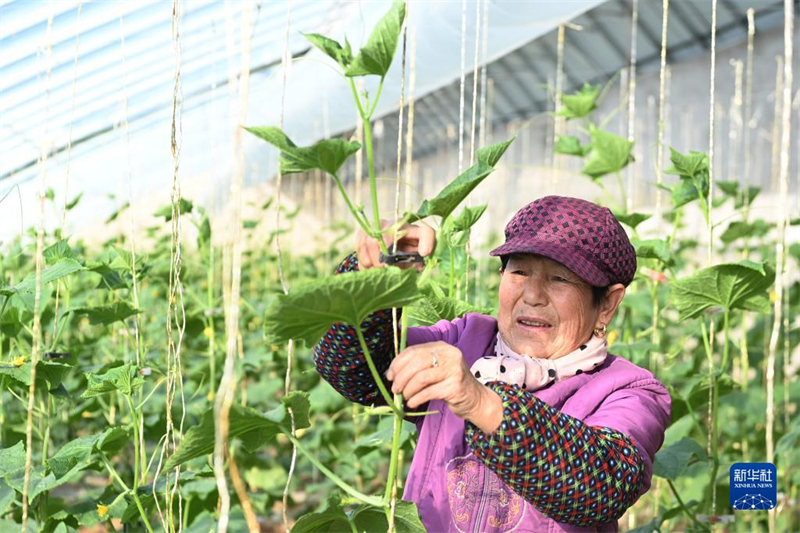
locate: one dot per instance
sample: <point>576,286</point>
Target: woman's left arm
<point>571,471</point>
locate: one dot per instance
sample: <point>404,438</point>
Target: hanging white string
<point>632,100</point>
<point>748,106</point>
<point>711,113</point>
<point>472,135</point>
<point>783,214</point>
<point>485,51</point>
<point>461,86</point>
<point>412,78</point>
<point>396,330</point>
<point>284,284</point>
<point>662,100</point>
<point>69,153</point>
<point>711,429</point>
<point>233,273</point>
<point>37,323</point>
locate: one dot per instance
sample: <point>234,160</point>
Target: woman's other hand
<point>413,373</point>
<point>419,239</point>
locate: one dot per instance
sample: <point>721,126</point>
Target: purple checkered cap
<point>583,236</point>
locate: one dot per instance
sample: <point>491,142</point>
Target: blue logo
<point>754,486</point>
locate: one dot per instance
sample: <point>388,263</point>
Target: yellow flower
<point>210,396</point>
<point>208,332</point>
<point>19,360</point>
<point>773,296</point>
<point>102,510</point>
<point>274,347</point>
<point>613,335</point>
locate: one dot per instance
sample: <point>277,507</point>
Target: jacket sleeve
<point>584,473</point>
<point>340,361</point>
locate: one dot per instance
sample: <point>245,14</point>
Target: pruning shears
<point>401,258</point>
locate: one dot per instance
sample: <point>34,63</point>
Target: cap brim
<point>572,257</point>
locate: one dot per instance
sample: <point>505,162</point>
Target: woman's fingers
<point>423,380</point>
<point>418,359</point>
<point>420,239</point>
<point>425,238</point>
<point>434,392</point>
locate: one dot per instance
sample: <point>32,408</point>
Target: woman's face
<point>546,310</point>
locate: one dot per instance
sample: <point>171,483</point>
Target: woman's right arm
<point>340,360</point>
<point>338,356</point>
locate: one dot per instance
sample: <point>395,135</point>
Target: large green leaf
<point>729,286</point>
<point>81,449</point>
<point>42,480</point>
<point>63,267</point>
<point>328,155</point>
<point>7,496</point>
<point>12,459</point>
<point>740,229</point>
<point>741,197</point>
<point>125,379</point>
<point>681,193</point>
<point>47,372</point>
<point>107,314</point>
<point>184,206</point>
<point>467,218</point>
<point>570,145</point>
<point>330,519</point>
<point>690,165</point>
<point>581,103</point>
<point>694,173</point>
<point>253,427</point>
<point>444,203</point>
<point>490,155</point>
<point>342,55</point>
<point>309,310</point>
<point>608,153</point>
<point>632,219</point>
<point>432,309</point>
<point>57,251</point>
<point>673,460</point>
<point>406,518</point>
<point>454,193</point>
<point>376,56</point>
<point>653,249</point>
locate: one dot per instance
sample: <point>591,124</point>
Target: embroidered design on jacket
<point>475,492</point>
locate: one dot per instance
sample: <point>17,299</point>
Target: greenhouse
<point>399,266</point>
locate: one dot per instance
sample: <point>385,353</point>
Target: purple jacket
<point>456,492</point>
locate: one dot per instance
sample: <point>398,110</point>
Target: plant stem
<point>622,190</point>
<point>373,188</point>
<point>356,213</point>
<point>712,440</point>
<point>210,303</point>
<point>726,328</point>
<point>369,500</point>
<point>685,509</point>
<point>377,97</point>
<point>134,490</point>
<point>391,485</point>
<point>451,286</point>
<point>375,374</point>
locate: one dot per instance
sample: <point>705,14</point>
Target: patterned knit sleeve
<point>340,361</point>
<point>571,472</point>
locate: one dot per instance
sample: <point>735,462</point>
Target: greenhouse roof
<point>69,87</point>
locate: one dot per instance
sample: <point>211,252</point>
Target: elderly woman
<point>539,428</point>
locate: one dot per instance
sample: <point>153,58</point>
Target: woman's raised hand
<point>419,239</point>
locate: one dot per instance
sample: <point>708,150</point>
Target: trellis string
<point>37,323</point>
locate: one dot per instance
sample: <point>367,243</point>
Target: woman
<point>538,428</point>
